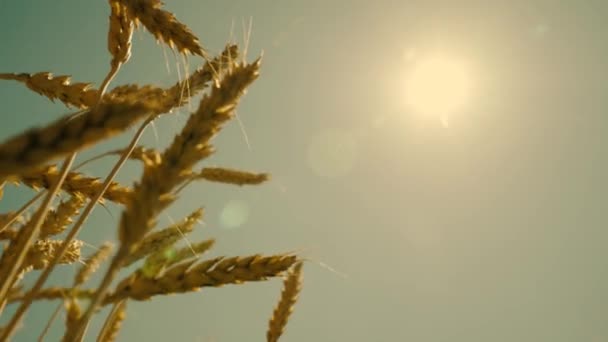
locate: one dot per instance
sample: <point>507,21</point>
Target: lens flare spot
<point>234,214</point>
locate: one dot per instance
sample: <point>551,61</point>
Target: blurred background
<point>440,164</point>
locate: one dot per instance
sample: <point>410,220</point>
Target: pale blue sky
<point>492,229</point>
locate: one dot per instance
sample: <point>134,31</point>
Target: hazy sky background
<point>490,229</point>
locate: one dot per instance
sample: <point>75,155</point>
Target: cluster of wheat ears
<point>42,237</point>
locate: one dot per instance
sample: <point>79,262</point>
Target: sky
<point>486,223</point>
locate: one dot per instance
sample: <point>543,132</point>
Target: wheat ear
<point>163,25</point>
<point>73,314</point>
<point>157,262</point>
<point>79,95</point>
<point>113,322</point>
<point>38,146</point>
<point>153,193</point>
<point>13,257</point>
<point>27,301</point>
<point>291,289</point>
<point>92,264</point>
<point>184,277</point>
<point>58,220</point>
<point>230,176</point>
<point>75,183</point>
<point>42,251</point>
<point>164,238</point>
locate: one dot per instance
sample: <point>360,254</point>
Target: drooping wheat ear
<point>79,95</point>
<point>184,277</point>
<point>53,293</point>
<point>38,146</point>
<point>155,263</point>
<point>119,34</point>
<point>119,43</point>
<point>59,219</point>
<point>230,176</point>
<point>291,289</point>
<point>75,183</point>
<point>113,322</point>
<point>92,264</point>
<point>163,25</point>
<point>164,238</point>
<point>43,251</point>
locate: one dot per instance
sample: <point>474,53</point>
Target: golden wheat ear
<point>216,272</point>
<point>39,146</point>
<point>92,264</point>
<point>75,183</point>
<point>163,25</point>
<point>164,238</point>
<point>79,95</point>
<point>291,290</point>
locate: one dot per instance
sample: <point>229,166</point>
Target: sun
<point>437,86</point>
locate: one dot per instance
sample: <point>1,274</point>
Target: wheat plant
<point>43,234</point>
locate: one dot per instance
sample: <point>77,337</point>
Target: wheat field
<point>43,234</point>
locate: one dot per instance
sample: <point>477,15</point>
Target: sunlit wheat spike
<point>164,238</point>
<point>113,323</point>
<point>153,192</point>
<point>59,219</point>
<point>79,95</point>
<point>291,289</point>
<point>75,184</point>
<point>216,272</point>
<point>163,25</point>
<point>92,264</point>
<point>231,176</point>
<point>119,34</point>
<point>157,262</point>
<point>38,146</point>
<point>42,251</point>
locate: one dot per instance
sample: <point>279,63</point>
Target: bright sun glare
<point>437,86</point>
